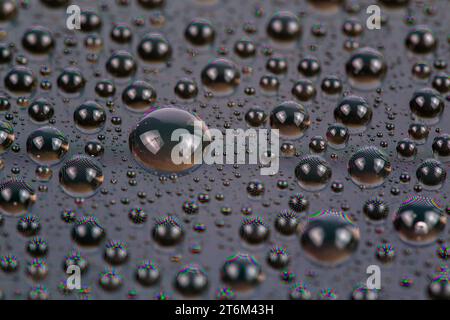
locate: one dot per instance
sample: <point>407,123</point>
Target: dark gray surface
<point>168,197</point>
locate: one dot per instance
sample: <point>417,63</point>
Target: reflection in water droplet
<point>121,64</point>
<point>151,140</point>
<point>427,105</point>
<point>40,110</point>
<point>431,174</point>
<point>376,209</point>
<point>312,172</point>
<point>441,147</point>
<point>284,26</point>
<point>221,76</point>
<point>366,68</point>
<point>191,280</point>
<point>241,272</point>
<point>20,80</point>
<point>47,145</point>
<point>138,96</point>
<point>354,112</point>
<point>254,230</point>
<point>89,117</point>
<point>286,222</point>
<point>421,40</point>
<point>80,176</point>
<point>329,237</point>
<point>154,48</point>
<point>419,220</point>
<point>7,136</point>
<point>71,80</point>
<point>168,231</point>
<point>200,32</point>
<point>369,167</point>
<point>337,136</point>
<point>38,40</point>
<point>88,232</point>
<point>147,273</point>
<point>291,118</point>
<point>16,197</point>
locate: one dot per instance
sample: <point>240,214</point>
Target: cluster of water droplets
<point>364,149</point>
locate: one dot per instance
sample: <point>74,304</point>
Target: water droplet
<point>47,145</point>
<point>431,174</point>
<point>154,47</point>
<point>200,32</point>
<point>312,172</point>
<point>221,76</point>
<point>291,118</point>
<point>151,140</point>
<point>284,26</point>
<point>366,68</point>
<point>139,96</point>
<point>81,176</point>
<point>354,112</point>
<point>419,220</point>
<point>241,272</point>
<point>329,237</point>
<point>427,105</point>
<point>369,166</point>
<point>16,197</point>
